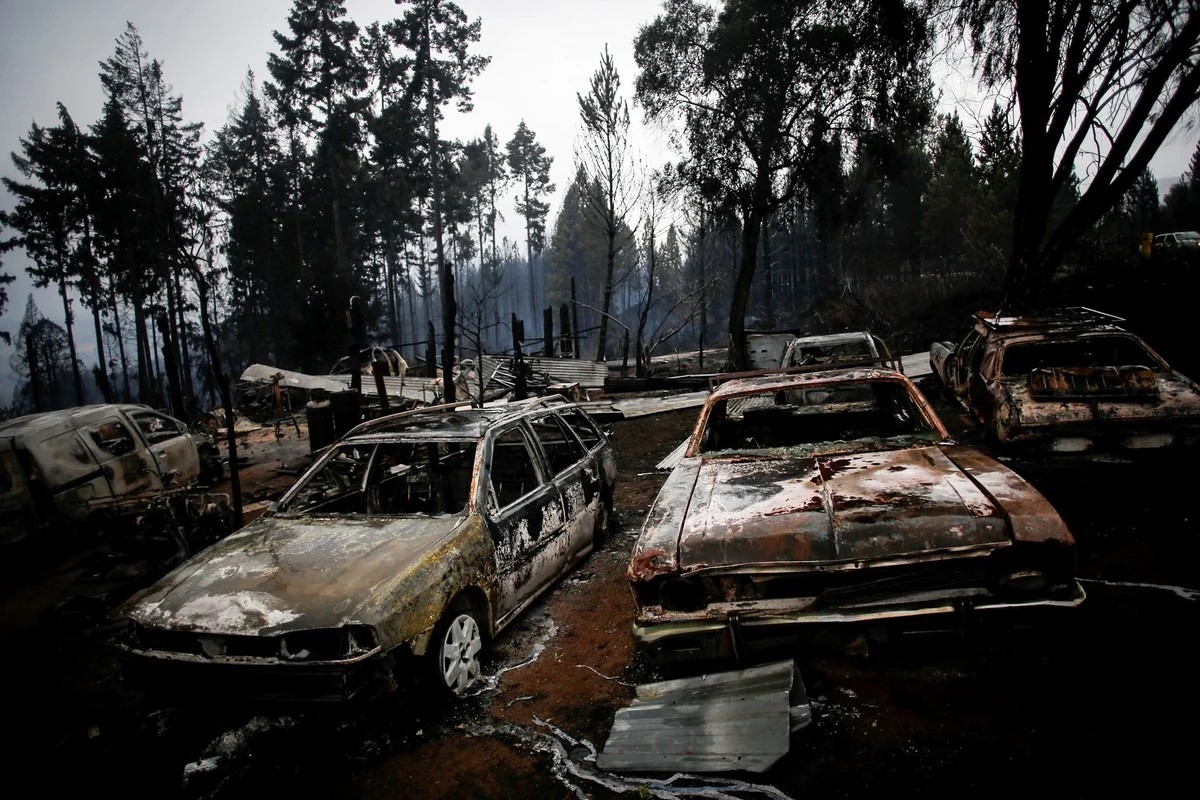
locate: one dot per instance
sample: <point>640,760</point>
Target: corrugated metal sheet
<point>722,722</point>
<point>588,374</point>
<point>640,406</point>
<point>424,390</point>
<point>672,458</point>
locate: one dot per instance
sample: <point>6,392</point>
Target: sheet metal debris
<point>727,721</point>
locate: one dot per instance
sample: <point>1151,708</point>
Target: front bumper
<point>734,630</point>
<point>193,678</point>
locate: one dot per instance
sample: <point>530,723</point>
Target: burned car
<point>835,500</point>
<point>834,349</point>
<point>398,555</point>
<point>86,468</point>
<point>1068,380</point>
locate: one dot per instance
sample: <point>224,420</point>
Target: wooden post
<point>566,340</point>
<point>575,317</point>
<point>548,332</point>
<point>380,368</point>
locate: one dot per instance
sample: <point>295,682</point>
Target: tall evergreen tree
<point>48,217</point>
<point>952,197</point>
<point>439,35</point>
<point>607,156</point>
<point>530,169</point>
<point>319,81</point>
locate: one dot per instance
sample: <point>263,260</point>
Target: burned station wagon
<point>1068,380</point>
<point>835,498</point>
<point>399,554</point>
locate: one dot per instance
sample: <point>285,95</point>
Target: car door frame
<point>177,457</point>
<point>530,556</point>
<point>578,485</point>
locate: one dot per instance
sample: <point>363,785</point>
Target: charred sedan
<point>1071,380</point>
<point>834,498</point>
<point>399,554</point>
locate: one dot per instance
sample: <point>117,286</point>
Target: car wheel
<point>456,649</point>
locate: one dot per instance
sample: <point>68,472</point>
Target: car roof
<point>1073,319</point>
<point>455,420</point>
<point>65,417</point>
<point>778,381</point>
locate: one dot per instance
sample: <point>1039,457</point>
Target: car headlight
<point>680,594</point>
<point>327,644</point>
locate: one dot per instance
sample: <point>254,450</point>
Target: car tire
<point>456,650</point>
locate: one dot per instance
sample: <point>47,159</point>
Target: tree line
<point>811,167</point>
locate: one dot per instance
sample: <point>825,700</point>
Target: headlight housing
<point>327,644</point>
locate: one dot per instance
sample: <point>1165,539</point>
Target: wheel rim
<point>460,653</point>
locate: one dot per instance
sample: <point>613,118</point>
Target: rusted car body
<point>399,554</point>
<point>834,498</point>
<point>1071,380</point>
<point>61,471</point>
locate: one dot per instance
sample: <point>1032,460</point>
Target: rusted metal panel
<point>853,508</point>
<point>726,721</point>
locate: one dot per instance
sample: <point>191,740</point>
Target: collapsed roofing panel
<point>728,721</point>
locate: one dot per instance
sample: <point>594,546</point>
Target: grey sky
<point>543,52</point>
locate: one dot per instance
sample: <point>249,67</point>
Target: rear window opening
<point>1020,359</point>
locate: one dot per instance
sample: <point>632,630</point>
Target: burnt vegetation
<point>819,181</point>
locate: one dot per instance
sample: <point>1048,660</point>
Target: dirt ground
<point>1099,700</point>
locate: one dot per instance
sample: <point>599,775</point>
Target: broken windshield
<point>425,477</point>
<point>821,418</point>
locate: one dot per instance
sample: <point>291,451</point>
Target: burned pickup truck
<point>1068,380</point>
<point>116,469</point>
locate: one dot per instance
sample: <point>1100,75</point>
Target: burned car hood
<point>282,574</point>
<point>844,508</point>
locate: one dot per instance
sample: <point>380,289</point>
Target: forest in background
<point>814,188</point>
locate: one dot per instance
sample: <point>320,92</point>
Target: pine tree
<point>530,169</point>
<point>608,159</point>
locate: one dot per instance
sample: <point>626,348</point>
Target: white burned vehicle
<point>835,498</point>
<point>399,554</point>
<point>110,468</point>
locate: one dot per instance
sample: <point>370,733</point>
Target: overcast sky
<point>543,52</point>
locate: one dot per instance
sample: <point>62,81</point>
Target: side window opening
<point>583,427</point>
<point>513,472</point>
<point>112,437</point>
<point>155,427</point>
<point>562,449</point>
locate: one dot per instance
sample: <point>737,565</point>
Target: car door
<point>127,464</point>
<point>574,473</point>
<point>526,519</point>
<point>171,446</point>
<point>962,361</point>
